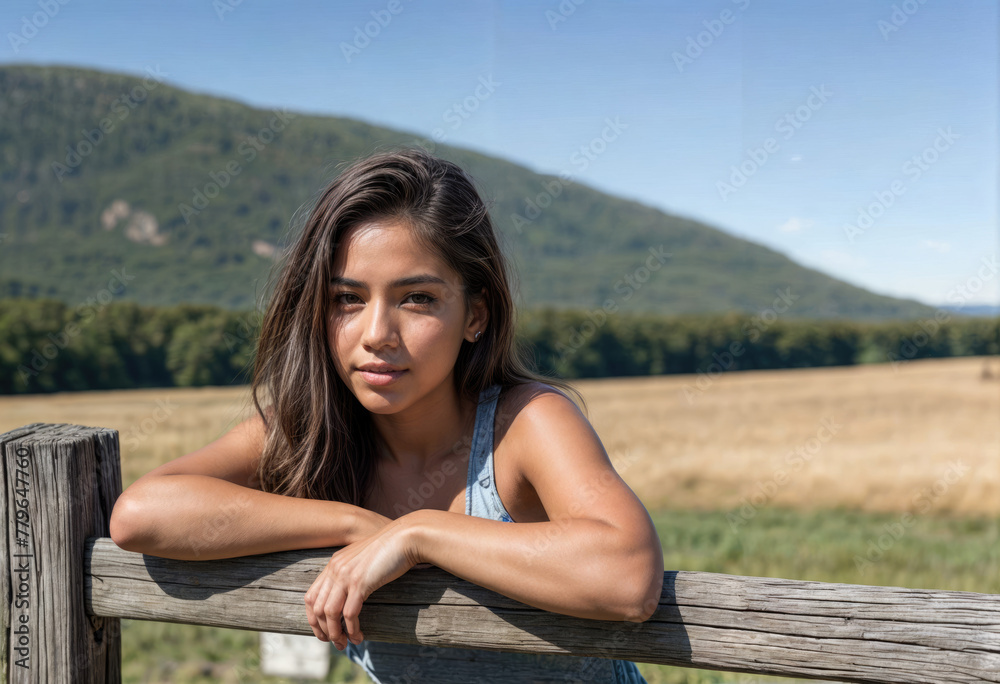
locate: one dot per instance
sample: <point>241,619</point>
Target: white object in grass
<point>293,655</point>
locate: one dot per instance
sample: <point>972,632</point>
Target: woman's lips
<point>373,378</point>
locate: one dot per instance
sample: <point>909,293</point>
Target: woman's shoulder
<point>527,401</point>
<point>548,449</point>
<point>516,397</point>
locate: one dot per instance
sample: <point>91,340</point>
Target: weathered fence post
<point>60,484</point>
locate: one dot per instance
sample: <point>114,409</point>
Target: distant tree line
<point>48,346</point>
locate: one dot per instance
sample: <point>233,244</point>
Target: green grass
<point>189,654</point>
<point>934,552</point>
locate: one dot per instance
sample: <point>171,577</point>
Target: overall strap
<point>481,497</point>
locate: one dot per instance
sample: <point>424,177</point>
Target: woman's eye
<point>419,298</point>
<point>425,299</point>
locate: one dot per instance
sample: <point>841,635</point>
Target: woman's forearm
<point>197,517</point>
<point>580,567</point>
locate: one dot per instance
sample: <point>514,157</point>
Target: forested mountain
<point>110,179</point>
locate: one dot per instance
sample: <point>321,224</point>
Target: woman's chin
<point>379,399</point>
<point>379,404</point>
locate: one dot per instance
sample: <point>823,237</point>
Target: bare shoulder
<point>534,401</point>
<point>555,450</point>
<point>514,400</point>
<point>535,418</point>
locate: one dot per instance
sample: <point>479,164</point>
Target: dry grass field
<point>925,433</point>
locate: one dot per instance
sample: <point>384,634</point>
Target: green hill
<point>109,176</point>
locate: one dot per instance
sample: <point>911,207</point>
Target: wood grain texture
<point>813,630</point>
<point>61,482</point>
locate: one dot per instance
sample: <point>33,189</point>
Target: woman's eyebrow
<point>420,279</point>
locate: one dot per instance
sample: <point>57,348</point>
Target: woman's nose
<point>380,325</point>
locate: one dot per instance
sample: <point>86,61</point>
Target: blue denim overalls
<point>388,663</point>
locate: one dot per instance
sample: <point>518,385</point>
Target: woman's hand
<point>352,574</point>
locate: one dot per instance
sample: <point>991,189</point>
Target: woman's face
<point>394,302</point>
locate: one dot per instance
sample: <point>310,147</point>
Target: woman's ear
<point>478,317</point>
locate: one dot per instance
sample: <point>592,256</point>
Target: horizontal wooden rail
<point>758,625</point>
<point>69,585</point>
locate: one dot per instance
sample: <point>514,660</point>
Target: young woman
<point>402,424</point>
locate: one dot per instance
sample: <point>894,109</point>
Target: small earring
<point>476,339</point>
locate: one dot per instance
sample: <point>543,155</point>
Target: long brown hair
<point>321,442</point>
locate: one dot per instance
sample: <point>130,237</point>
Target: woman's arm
<point>207,505</point>
<point>199,517</point>
<point>575,566</point>
<point>598,556</point>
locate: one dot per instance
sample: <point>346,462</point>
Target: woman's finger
<point>315,601</point>
<point>352,608</point>
<point>319,633</point>
<point>314,623</point>
<point>332,611</point>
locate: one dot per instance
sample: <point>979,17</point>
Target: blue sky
<point>866,129</point>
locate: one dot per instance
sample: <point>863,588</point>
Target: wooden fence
<point>69,585</point>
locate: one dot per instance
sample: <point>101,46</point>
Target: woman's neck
<point>419,437</point>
